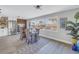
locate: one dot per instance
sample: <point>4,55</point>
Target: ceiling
<point>29,11</point>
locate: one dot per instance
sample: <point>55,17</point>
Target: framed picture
<point>63,22</point>
<point>53,24</point>
<point>3,22</point>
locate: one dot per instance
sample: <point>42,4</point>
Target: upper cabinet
<point>3,22</point>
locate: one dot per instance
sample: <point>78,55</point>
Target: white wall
<point>60,34</point>
<point>69,14</point>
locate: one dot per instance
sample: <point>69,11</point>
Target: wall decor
<point>63,22</point>
<point>53,24</point>
<point>3,22</point>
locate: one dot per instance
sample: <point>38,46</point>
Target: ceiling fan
<point>38,6</point>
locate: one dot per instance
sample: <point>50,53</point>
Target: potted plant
<point>74,28</point>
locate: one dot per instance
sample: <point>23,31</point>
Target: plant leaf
<point>77,24</point>
<point>72,23</point>
<point>72,34</point>
<point>77,29</point>
<point>70,28</point>
<point>76,15</point>
<point>77,35</point>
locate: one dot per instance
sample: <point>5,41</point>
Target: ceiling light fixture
<point>37,6</point>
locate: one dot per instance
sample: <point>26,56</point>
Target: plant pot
<point>74,41</point>
<point>74,47</point>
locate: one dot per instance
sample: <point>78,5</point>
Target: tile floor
<point>46,46</point>
<point>12,45</point>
